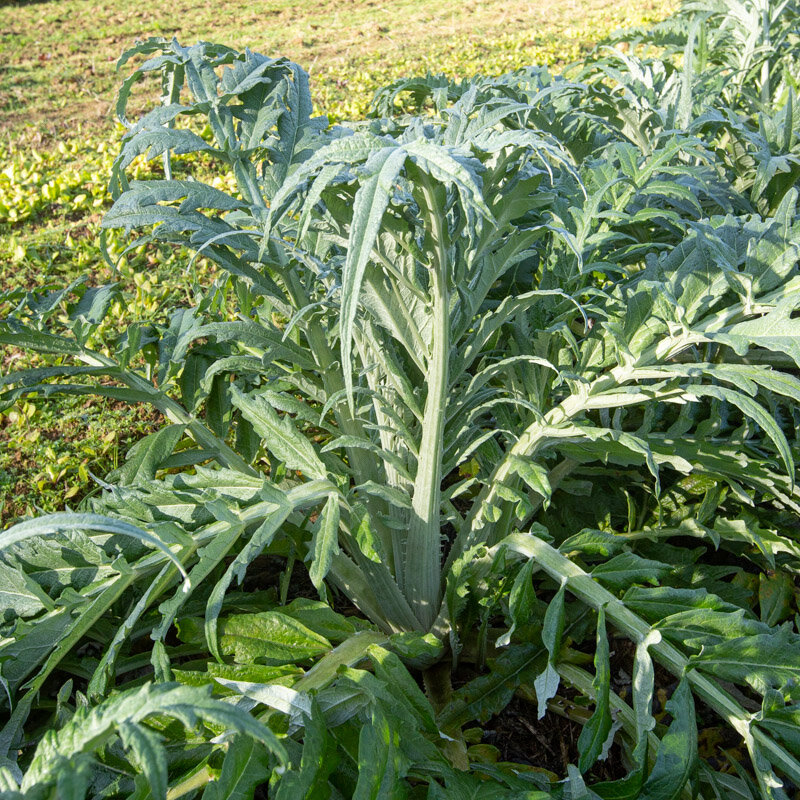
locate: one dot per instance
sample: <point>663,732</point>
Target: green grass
<point>58,57</point>
<point>53,448</point>
<point>57,85</point>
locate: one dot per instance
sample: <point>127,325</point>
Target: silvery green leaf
<point>643,686</point>
<point>282,698</point>
<point>325,542</point>
<point>147,752</point>
<point>246,766</point>
<point>145,457</point>
<point>546,685</point>
<point>547,682</point>
<point>625,569</point>
<point>776,330</point>
<point>381,764</point>
<point>371,202</point>
<point>311,779</point>
<point>488,694</point>
<point>520,602</point>
<point>595,734</point>
<point>20,594</point>
<point>762,661</point>
<point>90,728</point>
<point>676,761</point>
<point>280,435</point>
<point>656,603</point>
<point>56,523</point>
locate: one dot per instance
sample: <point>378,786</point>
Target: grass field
<point>58,140</point>
<point>59,56</point>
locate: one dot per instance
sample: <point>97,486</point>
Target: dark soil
<point>266,571</point>
<point>550,743</point>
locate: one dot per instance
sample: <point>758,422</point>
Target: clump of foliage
<point>53,190</point>
<point>509,375</point>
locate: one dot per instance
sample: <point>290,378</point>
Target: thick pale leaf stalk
<point>587,589</point>
<point>423,547</point>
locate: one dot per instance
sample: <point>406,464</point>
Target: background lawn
<point>58,140</point>
<point>58,58</point>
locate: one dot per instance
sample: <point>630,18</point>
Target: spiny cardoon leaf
<point>251,334</point>
<point>289,404</point>
<point>20,593</point>
<point>382,765</point>
<point>763,661</point>
<point>362,443</point>
<point>169,220</point>
<point>56,523</point>
<point>676,761</point>
<point>643,673</point>
<point>493,320</point>
<point>145,457</point>
<point>488,694</point>
<point>535,476</point>
<point>703,627</point>
<point>459,130</point>
<point>591,543</point>
<point>346,150</point>
<point>546,683</point>
<point>777,330</point>
<point>260,539</point>
<point>624,569</point>
<point>452,167</point>
<point>153,44</point>
<point>643,687</point>
<point>389,669</point>
<point>147,753</point>
<point>520,603</point>
<point>246,766</point>
<point>781,718</point>
<point>192,194</point>
<point>371,202</point>
<point>775,593</point>
<point>209,559</point>
<point>152,142</point>
<point>396,497</point>
<point>325,543</point>
<point>89,729</point>
<point>658,602</point>
<point>75,627</point>
<point>757,413</point>
<point>18,335</point>
<point>248,70</point>
<point>309,778</point>
<point>280,436</point>
<point>8,783</point>
<point>438,87</point>
<point>293,125</point>
<point>158,117</point>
